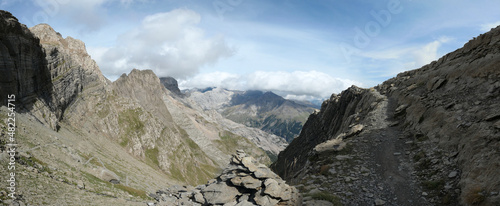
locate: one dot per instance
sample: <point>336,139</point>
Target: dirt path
<point>392,165</point>
<point>375,168</point>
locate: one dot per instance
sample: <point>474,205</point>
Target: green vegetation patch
<point>229,142</point>
<point>35,163</point>
<point>132,191</point>
<point>104,111</point>
<point>152,154</point>
<point>130,121</point>
<point>192,165</point>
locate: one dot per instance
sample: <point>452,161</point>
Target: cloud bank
<point>302,85</point>
<point>168,43</point>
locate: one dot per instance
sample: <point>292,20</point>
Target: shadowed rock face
<point>171,84</point>
<point>22,67</point>
<point>243,182</point>
<point>441,125</point>
<point>71,71</point>
<point>335,115</point>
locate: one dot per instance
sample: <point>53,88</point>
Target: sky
<point>303,50</point>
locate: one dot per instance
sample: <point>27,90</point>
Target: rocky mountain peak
<point>146,76</point>
<point>171,84</point>
<point>54,44</point>
<point>10,22</point>
<point>46,34</point>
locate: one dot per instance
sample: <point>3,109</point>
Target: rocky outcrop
<point>44,70</point>
<point>335,116</point>
<point>171,84</point>
<point>244,183</point>
<point>23,67</point>
<point>71,72</point>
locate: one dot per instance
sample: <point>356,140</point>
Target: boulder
<point>219,193</point>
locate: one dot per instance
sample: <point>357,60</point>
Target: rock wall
<point>171,84</point>
<point>335,116</point>
<point>71,72</point>
<point>23,64</point>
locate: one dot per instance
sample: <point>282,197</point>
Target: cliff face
<point>431,134</point>
<point>171,84</point>
<point>23,64</point>
<point>335,116</point>
<point>71,72</point>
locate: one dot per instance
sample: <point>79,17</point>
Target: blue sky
<point>299,49</point>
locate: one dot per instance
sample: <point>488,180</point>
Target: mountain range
<point>428,136</point>
<point>120,139</point>
<point>263,110</point>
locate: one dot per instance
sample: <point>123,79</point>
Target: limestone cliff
<point>23,67</point>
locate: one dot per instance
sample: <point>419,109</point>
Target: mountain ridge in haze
<point>264,110</point>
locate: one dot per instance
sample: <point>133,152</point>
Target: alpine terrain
<point>70,136</point>
<point>429,136</point>
<point>82,139</point>
<point>264,110</point>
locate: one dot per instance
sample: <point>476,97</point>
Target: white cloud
<point>168,43</point>
<point>295,85</point>
<point>214,79</point>
<point>393,60</point>
<point>487,27</point>
<point>429,52</point>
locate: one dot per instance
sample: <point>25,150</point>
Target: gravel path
<point>374,169</point>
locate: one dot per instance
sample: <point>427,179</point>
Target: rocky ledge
<point>243,183</point>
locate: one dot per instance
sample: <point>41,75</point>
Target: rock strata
<point>243,183</point>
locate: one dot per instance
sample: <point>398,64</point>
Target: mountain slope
<point>429,135</point>
<point>82,136</point>
<point>270,143</point>
<point>264,110</point>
